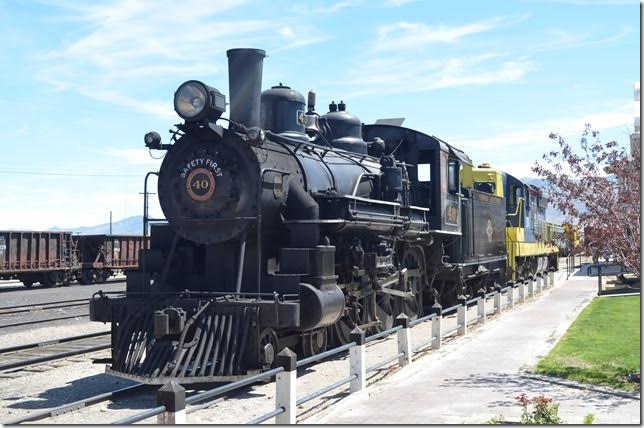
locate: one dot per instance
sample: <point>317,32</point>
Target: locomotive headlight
<point>195,101</point>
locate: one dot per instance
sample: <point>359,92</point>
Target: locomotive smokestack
<point>245,85</point>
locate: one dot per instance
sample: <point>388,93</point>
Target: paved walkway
<point>476,377</point>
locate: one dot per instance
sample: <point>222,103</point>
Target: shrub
<point>539,410</point>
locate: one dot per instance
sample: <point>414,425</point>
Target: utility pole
<point>110,222</point>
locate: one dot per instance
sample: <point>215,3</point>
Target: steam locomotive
<point>291,228</point>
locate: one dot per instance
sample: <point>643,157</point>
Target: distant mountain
<point>127,226</point>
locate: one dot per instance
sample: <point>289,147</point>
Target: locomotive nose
<point>208,189</point>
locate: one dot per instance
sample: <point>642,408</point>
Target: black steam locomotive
<point>290,228</point>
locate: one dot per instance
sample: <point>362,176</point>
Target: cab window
<point>453,173</point>
<point>484,186</point>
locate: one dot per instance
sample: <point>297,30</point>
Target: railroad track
<point>16,358</point>
<point>10,311</point>
<point>7,286</point>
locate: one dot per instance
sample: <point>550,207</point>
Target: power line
<point>69,174</point>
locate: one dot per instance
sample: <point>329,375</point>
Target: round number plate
<point>200,184</point>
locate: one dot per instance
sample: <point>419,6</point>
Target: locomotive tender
<point>290,228</point>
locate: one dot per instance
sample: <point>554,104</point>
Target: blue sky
<point>83,81</point>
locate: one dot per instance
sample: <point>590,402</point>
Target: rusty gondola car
<point>53,258</point>
<point>36,256</point>
<point>100,256</point>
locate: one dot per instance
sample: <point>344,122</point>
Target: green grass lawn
<point>601,346</point>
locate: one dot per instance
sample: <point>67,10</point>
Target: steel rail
<point>38,308</point>
<point>52,342</point>
<point>76,405</point>
<point>30,305</point>
<point>18,324</point>
<point>53,357</point>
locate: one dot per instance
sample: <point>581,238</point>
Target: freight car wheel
<point>27,283</point>
<point>87,277</point>
<point>48,280</point>
<point>101,276</point>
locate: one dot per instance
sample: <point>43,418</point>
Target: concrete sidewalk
<point>476,377</point>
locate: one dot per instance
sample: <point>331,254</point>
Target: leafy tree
<point>597,186</point>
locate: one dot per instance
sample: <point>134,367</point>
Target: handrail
<point>322,355</point>
<point>421,320</point>
<point>231,386</point>
<point>267,416</point>
<point>140,416</point>
<point>359,180</point>
<point>450,309</point>
<point>327,388</point>
<point>382,334</point>
<point>385,362</point>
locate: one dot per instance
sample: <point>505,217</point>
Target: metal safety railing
<point>173,405</point>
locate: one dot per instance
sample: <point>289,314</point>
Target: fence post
<point>522,286</point>
<point>437,309</point>
<point>539,282</point>
<point>530,288</point>
<point>480,303</point>
<point>511,294</point>
<point>551,278</point>
<point>357,360</point>
<point>173,397</point>
<point>404,339</point>
<point>461,316</point>
<point>285,390</point>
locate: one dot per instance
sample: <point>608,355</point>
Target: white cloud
<point>562,39</point>
<point>19,132</point>
<point>398,75</point>
<point>398,3</point>
<point>298,36</point>
<point>408,35</point>
<point>338,6</point>
<point>122,45</point>
<point>536,133</point>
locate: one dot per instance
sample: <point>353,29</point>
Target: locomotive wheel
<point>268,346</point>
<point>314,342</point>
<point>27,283</point>
<point>361,312</point>
<point>342,328</point>
<point>386,310</point>
<point>415,278</point>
